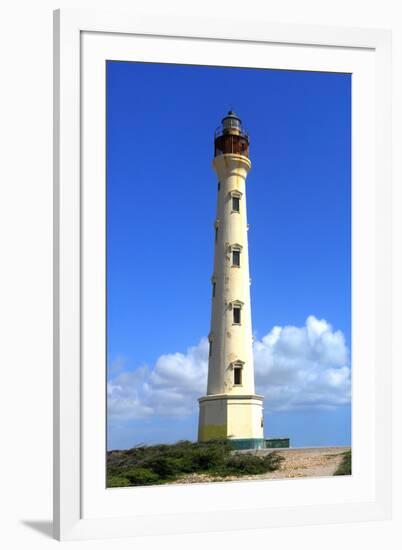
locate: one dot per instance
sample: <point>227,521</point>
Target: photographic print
<point>228,274</point>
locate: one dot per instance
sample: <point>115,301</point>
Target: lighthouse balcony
<point>231,143</point>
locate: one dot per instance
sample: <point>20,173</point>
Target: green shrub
<point>155,464</point>
<point>164,466</point>
<point>345,467</point>
<point>248,464</point>
<point>117,481</point>
<point>140,476</point>
<point>273,461</point>
<point>208,458</point>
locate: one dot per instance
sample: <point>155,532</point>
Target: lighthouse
<point>231,409</point>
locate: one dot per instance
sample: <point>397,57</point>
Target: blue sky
<point>161,199</point>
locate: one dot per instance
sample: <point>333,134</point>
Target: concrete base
<point>244,444</point>
<point>230,416</point>
<point>270,443</point>
<point>277,443</point>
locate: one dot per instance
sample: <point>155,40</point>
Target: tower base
<point>247,444</point>
<point>234,417</point>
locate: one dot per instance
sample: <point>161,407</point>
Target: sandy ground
<point>299,462</point>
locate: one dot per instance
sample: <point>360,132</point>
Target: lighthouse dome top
<point>231,120</point>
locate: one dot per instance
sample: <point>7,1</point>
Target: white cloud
<point>303,367</point>
<point>295,367</point>
<point>171,387</point>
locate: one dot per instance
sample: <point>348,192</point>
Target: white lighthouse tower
<point>231,409</point>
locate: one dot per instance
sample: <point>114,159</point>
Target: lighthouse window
<point>236,204</point>
<point>236,258</point>
<point>216,234</point>
<point>236,315</point>
<point>237,376</point>
<point>219,185</point>
<point>213,289</point>
<point>210,348</point>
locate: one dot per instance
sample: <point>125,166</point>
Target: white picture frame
<point>83,507</point>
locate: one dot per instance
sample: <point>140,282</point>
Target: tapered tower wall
<point>231,342</point>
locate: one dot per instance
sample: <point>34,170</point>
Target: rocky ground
<point>299,462</point>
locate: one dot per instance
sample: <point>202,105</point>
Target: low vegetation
<point>345,467</point>
<point>158,464</point>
